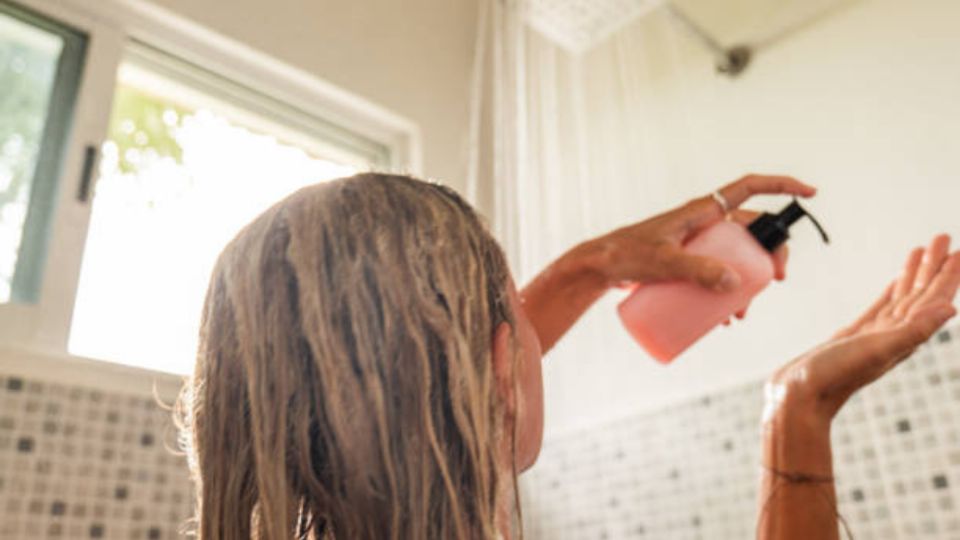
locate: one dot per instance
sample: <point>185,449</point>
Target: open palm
<point>908,313</point>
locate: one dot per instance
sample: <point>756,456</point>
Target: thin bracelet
<point>802,478</point>
<point>799,478</point>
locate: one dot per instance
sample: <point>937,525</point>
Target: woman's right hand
<point>909,312</point>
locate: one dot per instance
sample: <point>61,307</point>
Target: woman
<point>367,368</point>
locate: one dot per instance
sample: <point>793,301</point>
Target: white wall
<point>864,103</point>
<point>413,57</point>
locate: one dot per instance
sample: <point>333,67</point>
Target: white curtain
<point>570,148</point>
<point>567,147</point>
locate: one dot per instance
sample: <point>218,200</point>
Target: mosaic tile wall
<point>691,471</point>
<point>82,463</point>
<point>78,462</point>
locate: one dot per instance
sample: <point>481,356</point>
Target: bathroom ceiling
<point>579,25</point>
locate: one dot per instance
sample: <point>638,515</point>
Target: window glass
<point>39,69</point>
<point>183,170</point>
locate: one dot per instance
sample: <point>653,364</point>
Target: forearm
<point>797,495</point>
<point>556,298</point>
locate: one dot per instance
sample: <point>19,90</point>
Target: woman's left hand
<point>907,314</point>
<point>652,250</point>
<point>797,497</point>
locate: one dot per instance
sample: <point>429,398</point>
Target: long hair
<point>343,385</point>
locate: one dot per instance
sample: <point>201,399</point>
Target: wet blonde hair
<point>344,384</point>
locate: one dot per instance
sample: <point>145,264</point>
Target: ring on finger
<point>722,201</point>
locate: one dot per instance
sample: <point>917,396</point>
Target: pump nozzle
<point>772,230</point>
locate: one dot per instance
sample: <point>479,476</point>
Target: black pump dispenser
<point>772,230</point>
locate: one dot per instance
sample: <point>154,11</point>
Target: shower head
<point>578,25</point>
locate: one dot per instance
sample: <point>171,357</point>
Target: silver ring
<point>722,201</point>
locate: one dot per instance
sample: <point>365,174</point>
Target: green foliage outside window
<point>141,121</point>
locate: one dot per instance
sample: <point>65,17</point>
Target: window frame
<point>31,254</point>
<point>111,26</point>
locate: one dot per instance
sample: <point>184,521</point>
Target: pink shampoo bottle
<point>667,318</point>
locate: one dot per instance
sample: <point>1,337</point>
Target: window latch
<point>86,174</point>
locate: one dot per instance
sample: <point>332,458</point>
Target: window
<point>134,143</point>
<point>40,68</point>
<point>190,158</point>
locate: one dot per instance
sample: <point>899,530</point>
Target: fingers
<point>945,284</point>
<point>930,264</point>
<point>915,331</point>
<point>908,275</point>
<point>707,211</point>
<point>707,272</point>
<point>933,259</point>
<point>780,258</point>
<point>867,357</point>
<point>738,192</point>
<point>744,217</point>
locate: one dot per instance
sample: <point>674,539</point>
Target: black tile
<point>857,495</point>
<point>58,508</point>
<point>903,426</point>
<point>96,530</point>
<point>14,384</point>
<point>120,493</point>
<point>940,481</point>
<point>146,439</point>
<point>943,336</point>
<point>153,533</point>
<point>25,444</point>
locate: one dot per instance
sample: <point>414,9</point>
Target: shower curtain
<point>565,147</point>
<point>572,142</point>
